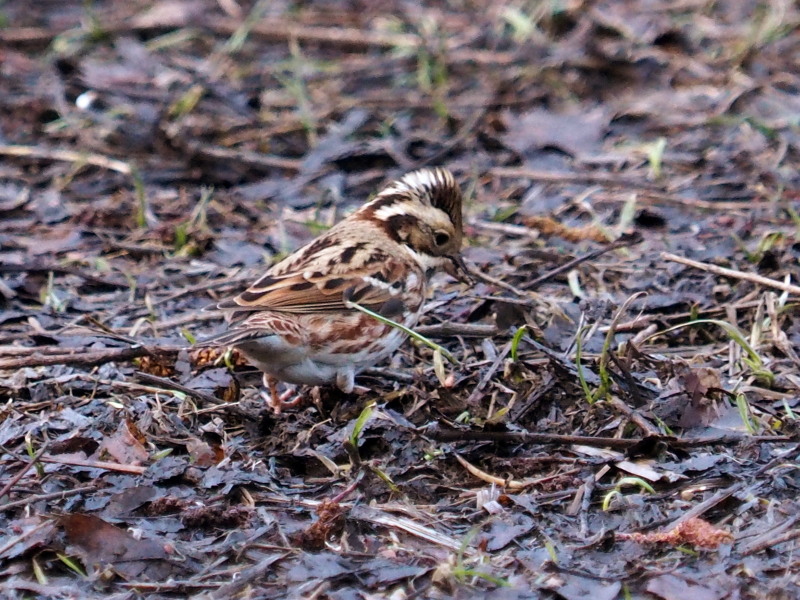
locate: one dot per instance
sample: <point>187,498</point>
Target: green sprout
<point>38,572</point>
<point>361,422</point>
<point>752,358</point>
<point>351,443</point>
<point>655,156</point>
<point>745,412</point>
<point>187,102</point>
<point>637,481</point>
<point>141,198</point>
<point>462,572</point>
<point>550,546</point>
<point>32,455</point>
<point>522,25</point>
<point>49,297</point>
<point>516,340</point>
<point>239,37</point>
<point>162,453</point>
<point>71,564</point>
<point>587,392</point>
<point>385,478</point>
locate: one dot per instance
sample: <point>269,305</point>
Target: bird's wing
<point>379,285</point>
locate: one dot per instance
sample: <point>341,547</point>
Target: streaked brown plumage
<point>294,323</point>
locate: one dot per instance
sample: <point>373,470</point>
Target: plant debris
<point>621,418</point>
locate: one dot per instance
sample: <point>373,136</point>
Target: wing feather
<point>374,284</point>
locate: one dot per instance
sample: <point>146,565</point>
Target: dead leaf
<point>124,446</point>
<point>101,545</point>
<point>671,586</point>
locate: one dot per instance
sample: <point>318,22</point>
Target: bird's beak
<point>457,269</point>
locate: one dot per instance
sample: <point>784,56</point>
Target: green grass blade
<point>361,422</point>
<point>733,332</point>
<point>516,340</point>
<point>579,365</point>
<point>408,331</point>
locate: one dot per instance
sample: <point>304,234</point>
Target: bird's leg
<point>277,402</point>
<point>346,381</point>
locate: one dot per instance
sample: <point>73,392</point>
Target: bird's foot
<point>277,402</point>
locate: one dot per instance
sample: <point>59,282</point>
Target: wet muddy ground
<point>622,418</point>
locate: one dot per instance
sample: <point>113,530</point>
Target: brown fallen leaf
<point>125,445</point>
<point>204,454</point>
<point>101,545</point>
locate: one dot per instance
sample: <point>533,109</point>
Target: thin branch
<point>780,534</point>
<point>97,160</point>
<point>741,275</point>
<point>553,177</point>
<point>168,384</point>
<point>457,435</point>
<point>62,271</point>
<point>707,505</point>
<point>26,467</point>
<point>30,500</point>
<point>80,356</point>
<point>478,330</point>
<point>622,242</point>
<point>95,464</point>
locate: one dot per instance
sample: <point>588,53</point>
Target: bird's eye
<point>441,238</point>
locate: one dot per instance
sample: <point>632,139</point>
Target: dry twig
<point>455,435</point>
<point>80,356</point>
<point>97,160</point>
<point>733,274</point>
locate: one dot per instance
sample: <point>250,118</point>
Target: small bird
<point>296,323</point>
